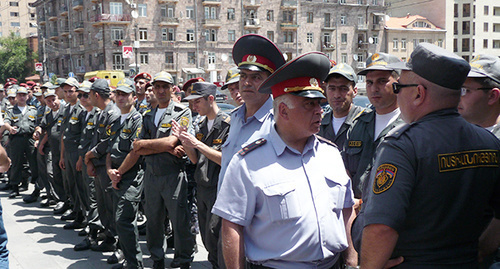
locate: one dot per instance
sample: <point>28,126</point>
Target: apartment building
<point>18,17</point>
<point>403,34</point>
<point>472,26</point>
<point>195,37</point>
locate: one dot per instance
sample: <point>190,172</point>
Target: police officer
<point>123,167</point>
<point>90,118</point>
<point>20,122</point>
<point>165,182</point>
<point>257,58</point>
<point>72,126</point>
<point>285,196</point>
<point>141,80</point>
<point>203,150</point>
<point>433,177</point>
<point>372,126</point>
<point>340,92</point>
<point>480,101</point>
<point>233,86</point>
<point>95,159</point>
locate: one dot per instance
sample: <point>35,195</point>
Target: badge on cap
<point>251,58</point>
<point>384,178</point>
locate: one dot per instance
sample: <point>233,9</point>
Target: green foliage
<point>53,79</point>
<point>15,58</point>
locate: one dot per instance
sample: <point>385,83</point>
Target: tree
<point>15,57</point>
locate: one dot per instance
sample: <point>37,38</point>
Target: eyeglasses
<point>464,91</point>
<point>84,95</point>
<point>396,87</point>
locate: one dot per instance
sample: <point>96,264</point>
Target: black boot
<point>15,192</point>
<point>33,197</point>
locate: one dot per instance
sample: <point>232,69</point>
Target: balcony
<point>363,45</point>
<point>377,27</point>
<point>251,3</point>
<point>78,26</point>
<point>112,19</point>
<point>289,4</point>
<point>168,67</point>
<point>169,21</point>
<point>52,16</point>
<point>63,10</point>
<point>64,30</point>
<point>54,35</point>
<point>211,23</point>
<point>289,25</point>
<point>252,24</point>
<point>41,21</point>
<point>328,27</point>
<point>362,27</point>
<point>328,47</point>
<point>77,4</point>
<point>211,2</point>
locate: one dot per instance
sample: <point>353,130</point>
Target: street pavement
<point>36,239</point>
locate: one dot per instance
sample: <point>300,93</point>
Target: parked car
<point>362,101</point>
<point>220,97</point>
<point>226,107</point>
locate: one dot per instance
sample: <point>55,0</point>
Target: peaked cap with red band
<point>143,75</point>
<point>301,76</point>
<point>257,53</point>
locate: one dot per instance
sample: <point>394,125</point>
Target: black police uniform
<point>431,181</point>
<point>326,129</point>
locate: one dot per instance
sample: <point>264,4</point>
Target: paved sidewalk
<point>37,240</point>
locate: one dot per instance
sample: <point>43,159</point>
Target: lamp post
<point>136,46</point>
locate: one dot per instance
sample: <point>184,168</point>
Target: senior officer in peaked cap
<point>233,86</point>
<point>257,58</point>
<point>340,92</point>
<point>432,178</point>
<point>286,197</point>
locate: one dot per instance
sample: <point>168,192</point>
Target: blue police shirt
<point>289,203</point>
<point>246,131</point>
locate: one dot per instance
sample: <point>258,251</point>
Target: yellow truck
<point>113,76</point>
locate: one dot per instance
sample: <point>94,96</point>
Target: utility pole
<point>136,45</point>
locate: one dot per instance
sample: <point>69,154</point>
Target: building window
<point>496,11</point>
<point>465,44</point>
<point>190,12</point>
<point>309,37</point>
<point>270,35</point>
<point>403,43</point>
<point>496,28</point>
<point>270,15</point>
<point>211,35</point>
<point>343,38</point>
<point>485,43</point>
<point>190,35</point>
<point>343,58</point>
<point>115,8</point>
<point>288,16</point>
<point>14,14</point>
<point>142,9</point>
<point>288,36</point>
<point>327,39</point>
<point>440,43</point>
<point>375,39</point>
<point>310,17</point>
<point>342,20</point>
<point>395,42</point>
<point>143,34</point>
<point>211,13</point>
<point>169,57</point>
<point>327,20</point>
<point>144,58</point>
<point>466,10</point>
<point>361,21</point>
<point>15,24</point>
<point>118,63</point>
<point>361,58</point>
<point>13,4</point>
<point>496,44</point>
<point>466,27</point>
<point>116,34</point>
<point>230,14</point>
<point>485,27</point>
<point>342,1</point>
<point>211,57</point>
<point>231,35</point>
<point>486,10</point>
<point>191,58</point>
<point>455,10</point>
<point>168,34</point>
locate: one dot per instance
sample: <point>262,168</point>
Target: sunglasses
<point>396,87</point>
<point>84,95</point>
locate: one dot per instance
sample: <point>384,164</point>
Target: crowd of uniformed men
<point>297,176</point>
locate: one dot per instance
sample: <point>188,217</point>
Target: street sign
<point>71,75</point>
<point>127,52</point>
<point>39,67</point>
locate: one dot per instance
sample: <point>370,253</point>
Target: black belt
<point>249,265</point>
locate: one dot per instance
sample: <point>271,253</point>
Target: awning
<point>378,14</point>
<point>193,70</point>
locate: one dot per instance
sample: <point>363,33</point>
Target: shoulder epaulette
<point>397,131</point>
<point>136,116</point>
<point>257,143</point>
<point>324,140</point>
<point>360,113</point>
<point>226,118</point>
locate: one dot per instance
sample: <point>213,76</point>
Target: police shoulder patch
<point>199,136</point>
<point>184,122</point>
<point>257,143</point>
<point>384,178</point>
